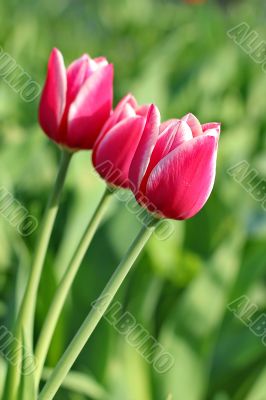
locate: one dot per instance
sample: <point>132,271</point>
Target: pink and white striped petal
<point>180,184</point>
<point>194,124</point>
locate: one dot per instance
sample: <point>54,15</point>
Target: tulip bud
<point>179,175</point>
<point>77,101</point>
<point>128,128</point>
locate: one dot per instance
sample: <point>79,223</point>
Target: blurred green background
<point>179,56</point>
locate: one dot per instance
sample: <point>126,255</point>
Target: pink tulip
<point>177,179</point>
<point>128,128</point>
<point>77,101</point>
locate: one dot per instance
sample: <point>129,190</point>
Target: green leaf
<point>78,382</point>
<point>27,385</point>
<point>258,390</point>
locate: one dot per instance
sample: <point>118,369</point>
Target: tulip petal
<point>53,99</point>
<point>212,125</point>
<point>123,110</point>
<point>91,108</point>
<point>194,124</point>
<point>165,124</point>
<point>175,133</point>
<point>145,147</point>
<point>77,73</point>
<point>181,183</point>
<point>117,149</point>
<point>143,110</point>
<point>101,61</point>
<point>96,63</point>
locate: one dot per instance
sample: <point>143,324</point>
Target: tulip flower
<point>177,179</point>
<point>77,101</point>
<point>129,127</point>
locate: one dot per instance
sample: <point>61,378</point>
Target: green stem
<point>25,317</point>
<point>79,383</point>
<point>62,291</point>
<point>95,315</point>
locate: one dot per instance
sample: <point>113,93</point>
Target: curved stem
<point>62,291</point>
<point>96,313</point>
<point>25,316</point>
